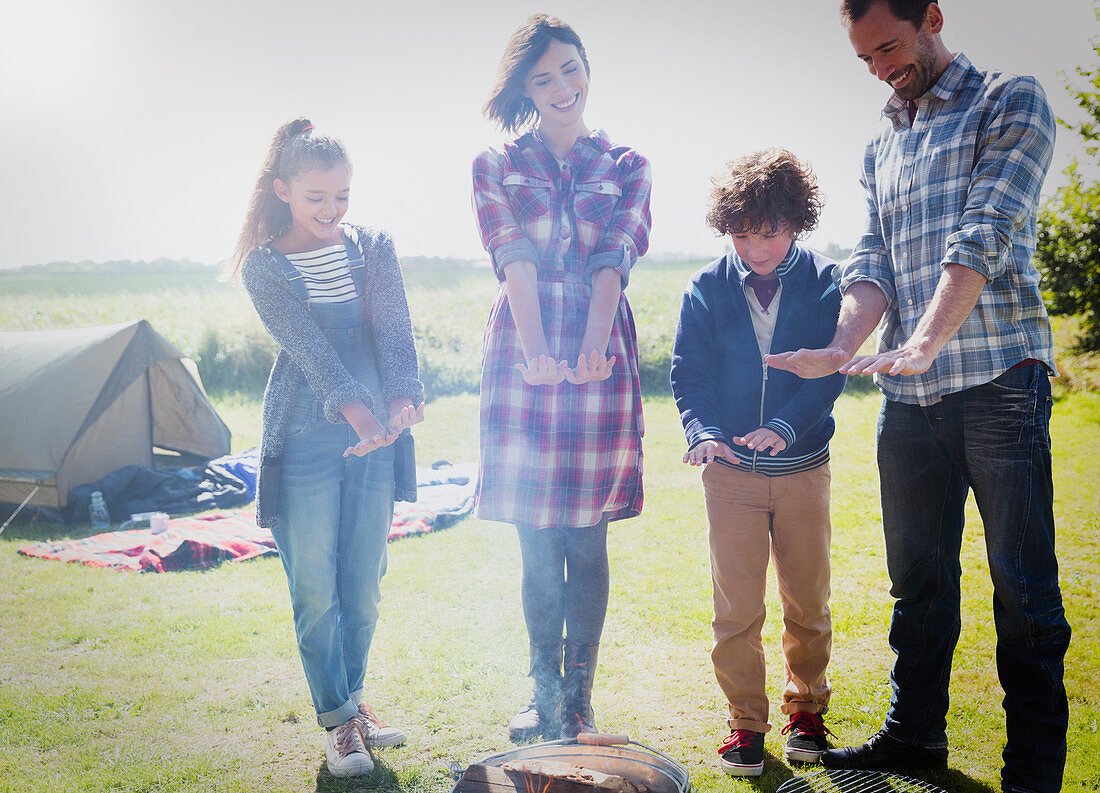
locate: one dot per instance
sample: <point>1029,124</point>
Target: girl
<point>343,389</point>
<point>564,214</point>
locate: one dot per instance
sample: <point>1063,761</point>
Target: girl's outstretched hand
<point>590,369</point>
<point>406,417</point>
<point>370,443</point>
<point>543,370</point>
<point>372,435</point>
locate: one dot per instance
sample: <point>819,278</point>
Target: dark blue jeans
<point>995,440</point>
<point>565,583</point>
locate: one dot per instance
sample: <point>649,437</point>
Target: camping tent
<point>78,404</point>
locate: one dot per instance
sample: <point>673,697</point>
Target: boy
<point>763,436</point>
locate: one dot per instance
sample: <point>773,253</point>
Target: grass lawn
<point>191,681</point>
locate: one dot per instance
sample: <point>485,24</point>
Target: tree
<point>1067,252</point>
<point>835,252</point>
<point>1068,255</point>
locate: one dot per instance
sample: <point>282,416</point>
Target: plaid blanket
<point>187,543</point>
<point>444,495</point>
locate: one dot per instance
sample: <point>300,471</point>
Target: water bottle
<point>97,512</point>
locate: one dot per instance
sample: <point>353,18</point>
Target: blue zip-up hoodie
<point>722,387</point>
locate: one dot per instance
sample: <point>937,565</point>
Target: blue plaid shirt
<point>960,184</point>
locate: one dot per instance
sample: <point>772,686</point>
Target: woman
<point>564,215</point>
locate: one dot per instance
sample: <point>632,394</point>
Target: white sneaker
<point>375,731</point>
<point>345,752</point>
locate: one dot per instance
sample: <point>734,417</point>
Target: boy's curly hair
<point>770,189</point>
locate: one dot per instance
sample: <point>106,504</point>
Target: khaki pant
<point>750,517</point>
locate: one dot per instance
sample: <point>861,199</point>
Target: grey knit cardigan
<point>305,352</point>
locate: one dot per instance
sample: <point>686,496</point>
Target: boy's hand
<point>706,451</point>
<point>761,440</point>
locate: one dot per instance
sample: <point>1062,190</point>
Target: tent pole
<point>19,509</point>
<point>152,418</point>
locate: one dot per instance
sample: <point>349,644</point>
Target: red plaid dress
<point>561,455</point>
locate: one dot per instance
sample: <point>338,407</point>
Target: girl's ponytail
<point>293,151</point>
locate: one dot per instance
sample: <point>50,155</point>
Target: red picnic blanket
<point>187,543</point>
<point>207,540</point>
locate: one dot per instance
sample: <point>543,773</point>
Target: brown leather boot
<point>576,702</point>
<point>540,717</point>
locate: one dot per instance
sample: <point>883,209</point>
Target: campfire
<point>542,776</point>
<point>594,763</point>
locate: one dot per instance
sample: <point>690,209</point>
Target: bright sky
<point>134,129</point>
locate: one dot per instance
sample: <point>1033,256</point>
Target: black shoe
<point>883,751</point>
<point>742,753</point>
<point>806,741</point>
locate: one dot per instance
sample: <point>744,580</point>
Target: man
<point>965,350</point>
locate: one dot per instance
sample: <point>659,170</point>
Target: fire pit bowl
<point>616,755</point>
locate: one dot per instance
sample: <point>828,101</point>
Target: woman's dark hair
<point>908,10</point>
<point>767,190</point>
<point>294,150</point>
<point>507,104</point>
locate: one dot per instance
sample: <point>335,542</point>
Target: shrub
<point>234,363</point>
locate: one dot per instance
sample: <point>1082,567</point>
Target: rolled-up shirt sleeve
<point>626,237</point>
<point>1013,154</point>
<point>500,233</point>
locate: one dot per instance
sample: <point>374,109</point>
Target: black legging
<point>553,600</point>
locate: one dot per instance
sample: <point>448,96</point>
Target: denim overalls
<point>334,517</point>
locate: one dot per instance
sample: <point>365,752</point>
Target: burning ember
<point>542,776</point>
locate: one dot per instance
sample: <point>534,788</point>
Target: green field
<point>214,323</point>
<point>191,681</point>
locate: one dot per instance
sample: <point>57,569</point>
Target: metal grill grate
<point>841,781</point>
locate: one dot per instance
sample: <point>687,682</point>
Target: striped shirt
<point>959,184</point>
<point>325,273</point>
